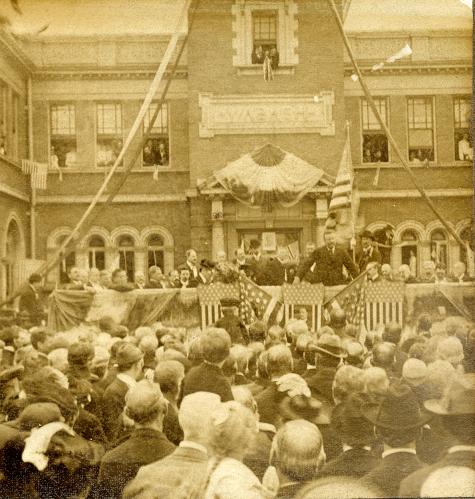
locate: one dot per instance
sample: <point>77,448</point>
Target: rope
<point>393,143</point>
<point>62,251</point>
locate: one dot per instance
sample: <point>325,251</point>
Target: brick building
<point>69,100</point>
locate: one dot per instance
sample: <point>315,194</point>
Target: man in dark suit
<point>30,301</point>
<point>369,251</point>
<point>185,467</point>
<point>384,240</point>
<point>357,436</point>
<point>208,376</point>
<point>277,268</point>
<point>231,322</point>
<point>205,275</point>
<point>129,360</point>
<point>329,260</point>
<point>156,279</point>
<point>192,265</point>
<point>456,411</point>
<point>146,406</point>
<point>398,421</point>
<point>257,264</point>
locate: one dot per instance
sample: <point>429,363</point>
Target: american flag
<point>342,192</point>
<point>255,303</point>
<point>296,295</point>
<point>384,303</point>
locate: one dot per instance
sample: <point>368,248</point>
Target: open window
<point>375,142</point>
<point>62,135</point>
<point>109,133</point>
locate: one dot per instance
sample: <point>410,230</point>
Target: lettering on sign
<point>249,114</point>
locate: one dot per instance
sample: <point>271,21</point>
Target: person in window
<point>104,155</point>
<point>70,158</point>
<point>162,154</point>
<point>465,149</point>
<point>53,159</point>
<point>274,58</point>
<point>367,155</point>
<point>258,55</point>
<point>3,149</point>
<point>116,148</point>
<point>413,157</point>
<point>148,155</point>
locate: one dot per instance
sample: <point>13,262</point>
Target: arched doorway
<point>14,252</point>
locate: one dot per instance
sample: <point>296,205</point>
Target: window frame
<point>456,98</point>
<point>386,101</point>
<point>153,136</point>
<point>431,99</point>
<point>92,251</point>
<point>66,137</point>
<point>261,13</point>
<point>107,136</point>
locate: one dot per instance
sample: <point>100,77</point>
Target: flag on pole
<point>342,192</point>
<point>255,303</point>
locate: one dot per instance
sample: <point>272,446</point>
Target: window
<point>156,150</point>
<point>65,262</point>
<point>463,129</point>
<point>420,129</point>
<point>409,250</point>
<point>62,135</point>
<point>155,251</point>
<point>96,252</point>
<point>375,142</point>
<point>264,34</point>
<point>109,133</point>
<point>127,256</point>
<point>439,248</point>
<point>286,238</point>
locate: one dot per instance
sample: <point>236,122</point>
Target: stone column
<point>141,263</point>
<point>217,220</point>
<point>321,214</point>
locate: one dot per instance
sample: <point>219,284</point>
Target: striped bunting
<point>341,194</point>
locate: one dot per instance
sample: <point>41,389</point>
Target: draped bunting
<point>269,176</point>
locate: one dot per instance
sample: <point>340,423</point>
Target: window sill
<point>432,164</point>
<point>100,170</point>
<point>256,69</point>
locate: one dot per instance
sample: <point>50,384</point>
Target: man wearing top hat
<point>369,251</point>
<point>456,413</point>
<point>231,322</point>
<point>397,420</point>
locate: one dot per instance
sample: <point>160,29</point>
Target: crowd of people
<point>269,411</point>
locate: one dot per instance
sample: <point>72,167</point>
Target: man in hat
<point>192,265</point>
<point>146,406</point>
<point>30,301</point>
<point>456,412</point>
<point>384,240</point>
<point>257,264</point>
<point>369,251</point>
<point>330,260</point>
<point>357,437</point>
<point>129,360</point>
<point>278,268</point>
<point>206,272</point>
<point>185,468</point>
<point>231,322</point>
<point>397,421</point>
<point>208,376</point>
<point>329,354</point>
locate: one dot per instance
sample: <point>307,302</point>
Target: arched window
<point>65,262</point>
<point>439,247</point>
<point>409,250</point>
<point>96,252</point>
<point>126,246</point>
<point>155,251</point>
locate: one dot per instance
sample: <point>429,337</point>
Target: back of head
<point>195,412</point>
<point>148,344</point>
<point>279,361</point>
<point>169,375</point>
<point>384,355</point>
<point>376,381</point>
<point>450,481</point>
<point>343,488</point>
<point>347,381</point>
<point>297,450</point>
<point>243,395</point>
<point>144,402</point>
<point>451,350</point>
<point>37,415</point>
<point>58,358</point>
<point>392,333</point>
<point>424,323</point>
<point>215,345</point>
<point>80,354</point>
<point>233,430</point>
<point>241,356</point>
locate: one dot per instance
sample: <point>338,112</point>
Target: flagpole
<point>352,207</point>
<point>386,130</point>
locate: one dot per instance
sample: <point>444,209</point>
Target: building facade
<point>222,109</point>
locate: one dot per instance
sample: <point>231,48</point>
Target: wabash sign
<point>249,114</point>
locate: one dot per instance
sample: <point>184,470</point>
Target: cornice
<point>413,193</point>
<point>462,68</point>
<point>14,193</point>
<point>105,74</point>
<point>11,45</point>
<point>121,198</point>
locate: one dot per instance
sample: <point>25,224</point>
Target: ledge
<point>256,69</point>
<point>417,166</point>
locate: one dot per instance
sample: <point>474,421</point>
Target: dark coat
<point>353,463</point>
<point>30,302</point>
<point>113,404</point>
<point>162,478</point>
<point>320,382</point>
<point>276,272</point>
<point>207,378</point>
<point>268,405</point>
<point>329,266</point>
<point>234,327</point>
<point>171,425</point>
<point>390,472</point>
<point>120,465</point>
<point>364,258</point>
<point>257,271</point>
<point>412,484</point>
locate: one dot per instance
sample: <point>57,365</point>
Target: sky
<point>90,17</point>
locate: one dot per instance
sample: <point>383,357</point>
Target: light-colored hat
<point>414,371</point>
<point>458,397</point>
<point>450,349</point>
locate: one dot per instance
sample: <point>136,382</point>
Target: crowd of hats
<point>407,386</point>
